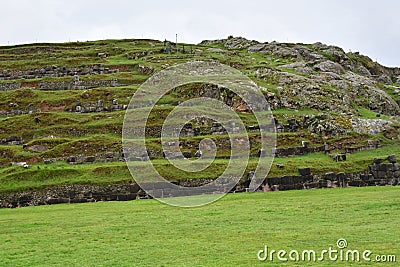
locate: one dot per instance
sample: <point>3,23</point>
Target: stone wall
<point>9,86</point>
<point>372,144</point>
<point>12,140</point>
<point>383,173</point>
<point>378,174</point>
<point>287,182</point>
<point>189,144</point>
<point>131,191</point>
<point>82,159</point>
<point>93,107</point>
<point>6,113</point>
<point>63,85</point>
<point>72,194</point>
<point>79,85</point>
<point>329,180</point>
<point>54,71</point>
<point>298,151</point>
<point>80,108</point>
<point>84,193</point>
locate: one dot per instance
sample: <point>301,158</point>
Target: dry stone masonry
<point>12,140</point>
<point>76,84</point>
<point>378,174</point>
<point>97,107</point>
<point>55,71</point>
<point>10,86</point>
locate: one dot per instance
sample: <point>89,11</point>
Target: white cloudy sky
<point>371,27</point>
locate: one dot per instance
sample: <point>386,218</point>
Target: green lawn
<point>228,232</point>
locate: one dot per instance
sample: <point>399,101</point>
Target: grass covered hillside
<point>62,107</point>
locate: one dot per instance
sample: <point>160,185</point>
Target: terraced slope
<point>62,108</point>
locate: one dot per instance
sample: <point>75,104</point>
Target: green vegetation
<point>61,133</point>
<point>391,89</point>
<point>63,99</point>
<point>368,114</point>
<point>228,232</point>
<point>41,175</point>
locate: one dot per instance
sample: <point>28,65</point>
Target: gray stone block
<point>330,176</point>
<point>90,159</point>
<point>396,167</point>
<point>383,167</point>
<point>71,159</point>
<point>381,174</point>
<point>304,171</point>
<point>392,159</point>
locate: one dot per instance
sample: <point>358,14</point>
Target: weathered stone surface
<point>396,166</point>
<point>371,126</point>
<point>378,174</point>
<point>274,48</point>
<point>339,157</point>
<point>95,107</point>
<point>70,194</point>
<point>48,161</point>
<point>76,85</point>
<point>392,159</point>
<point>38,148</point>
<point>10,86</point>
<point>297,151</point>
<point>363,70</point>
<point>12,140</point>
<point>304,171</point>
<point>329,66</point>
<point>280,166</point>
<point>238,43</point>
<point>148,70</point>
<point>71,159</point>
<point>54,71</point>
<point>330,176</point>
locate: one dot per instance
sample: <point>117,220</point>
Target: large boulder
<point>392,158</point>
<point>238,43</point>
<point>305,171</point>
<point>307,54</point>
<point>369,126</point>
<point>38,148</point>
<point>363,70</point>
<point>324,124</point>
<point>276,49</point>
<point>383,78</point>
<point>329,66</point>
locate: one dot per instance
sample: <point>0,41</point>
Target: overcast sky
<point>371,27</point>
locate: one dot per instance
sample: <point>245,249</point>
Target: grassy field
<point>228,232</point>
